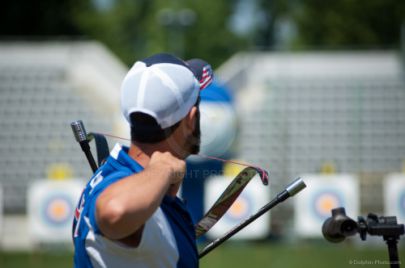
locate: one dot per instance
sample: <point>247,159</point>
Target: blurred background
<point>304,88</point>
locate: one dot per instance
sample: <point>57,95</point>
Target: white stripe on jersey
<point>157,237</point>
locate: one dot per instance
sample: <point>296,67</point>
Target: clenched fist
<point>175,167</point>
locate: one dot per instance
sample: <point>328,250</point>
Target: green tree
<point>37,18</point>
<point>123,27</point>
<point>210,37</point>
<point>137,28</point>
<point>132,29</point>
<point>273,12</point>
<point>348,23</point>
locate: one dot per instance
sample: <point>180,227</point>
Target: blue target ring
<point>57,210</point>
<point>324,201</point>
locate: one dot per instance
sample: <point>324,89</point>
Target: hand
<point>176,168</point>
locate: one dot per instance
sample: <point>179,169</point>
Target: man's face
<point>187,142</point>
<point>194,140</point>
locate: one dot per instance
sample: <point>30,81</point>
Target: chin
<point>195,149</point>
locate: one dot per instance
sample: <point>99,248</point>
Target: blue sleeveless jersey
<point>168,237</point>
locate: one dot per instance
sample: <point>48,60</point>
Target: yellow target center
<point>326,203</point>
<point>238,208</point>
<point>58,209</point>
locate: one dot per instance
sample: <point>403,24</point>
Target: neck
<point>141,152</point>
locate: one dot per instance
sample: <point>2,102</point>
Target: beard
<point>193,141</point>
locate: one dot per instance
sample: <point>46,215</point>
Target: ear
<point>190,118</point>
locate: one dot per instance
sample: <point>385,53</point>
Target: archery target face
<point>240,209</point>
<point>323,193</point>
<point>394,196</point>
<point>324,201</point>
<point>50,209</point>
<point>253,197</point>
<point>58,209</point>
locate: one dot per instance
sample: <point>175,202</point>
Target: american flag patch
<point>206,77</point>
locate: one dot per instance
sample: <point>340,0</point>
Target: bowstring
<point>264,175</point>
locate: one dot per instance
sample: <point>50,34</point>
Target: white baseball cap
<point>164,87</point>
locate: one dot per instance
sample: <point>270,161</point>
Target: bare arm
<point>126,205</point>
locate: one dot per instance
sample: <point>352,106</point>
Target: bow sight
<point>336,228</point>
